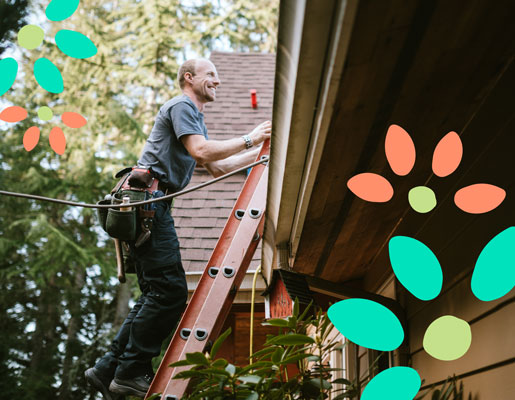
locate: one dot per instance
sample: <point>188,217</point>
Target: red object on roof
<point>201,215</point>
<point>253,98</point>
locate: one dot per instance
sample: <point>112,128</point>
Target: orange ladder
<point>211,302</point>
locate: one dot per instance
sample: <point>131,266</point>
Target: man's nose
<point>217,81</point>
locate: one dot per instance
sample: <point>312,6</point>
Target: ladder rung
<point>213,271</point>
<point>200,334</point>
<point>229,271</point>
<point>239,213</point>
<point>185,333</point>
<point>255,213</point>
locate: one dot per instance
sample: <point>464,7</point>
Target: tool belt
<point>131,223</point>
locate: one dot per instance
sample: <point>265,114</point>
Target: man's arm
<point>215,155</point>
<point>222,167</point>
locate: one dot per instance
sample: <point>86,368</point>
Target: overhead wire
<point>263,159</point>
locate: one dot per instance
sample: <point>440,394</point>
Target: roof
<point>201,215</point>
<point>426,66</point>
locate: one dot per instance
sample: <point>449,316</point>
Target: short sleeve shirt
<point>164,151</point>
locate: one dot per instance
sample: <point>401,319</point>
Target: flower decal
<point>447,338</point>
<point>400,153</point>
<point>31,137</point>
<point>73,44</point>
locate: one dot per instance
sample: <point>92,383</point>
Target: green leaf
<point>278,353</point>
<point>188,374</point>
<point>231,369</point>
<point>220,363</point>
<point>256,365</point>
<point>276,322</point>
<point>294,359</point>
<point>292,339</point>
<point>266,350</point>
<point>305,312</point>
<point>320,384</point>
<point>197,358</point>
<point>219,341</point>
<point>250,379</point>
<point>342,381</point>
<point>252,396</point>
<point>181,363</point>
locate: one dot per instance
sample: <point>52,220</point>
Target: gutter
<point>312,47</point>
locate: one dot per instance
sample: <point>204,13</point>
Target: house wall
<point>236,347</point>
<point>488,368</point>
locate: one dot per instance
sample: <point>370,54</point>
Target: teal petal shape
<point>367,323</point>
<point>58,10</point>
<point>48,76</point>
<point>494,273</point>
<point>75,44</point>
<point>8,71</point>
<point>416,267</point>
<point>397,383</point>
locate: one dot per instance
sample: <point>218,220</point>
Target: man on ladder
<point>178,142</point>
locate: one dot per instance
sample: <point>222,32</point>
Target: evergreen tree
<point>58,291</point>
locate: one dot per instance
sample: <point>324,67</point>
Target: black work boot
<point>132,386</point>
<point>99,382</point>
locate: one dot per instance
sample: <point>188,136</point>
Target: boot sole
<point>126,390</point>
<point>92,379</point>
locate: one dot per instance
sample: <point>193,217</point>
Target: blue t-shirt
<point>164,151</point>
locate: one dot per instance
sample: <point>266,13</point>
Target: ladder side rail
<point>174,350</point>
<point>226,308</point>
<point>220,291</point>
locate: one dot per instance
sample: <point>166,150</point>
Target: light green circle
<point>30,36</point>
<point>45,113</point>
<point>422,199</point>
<point>447,338</point>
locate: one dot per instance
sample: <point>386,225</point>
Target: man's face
<point>205,81</point>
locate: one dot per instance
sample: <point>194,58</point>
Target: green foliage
<point>58,291</point>
<point>450,390</point>
<point>12,18</point>
<point>290,365</point>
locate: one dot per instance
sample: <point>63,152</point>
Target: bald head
<point>190,66</point>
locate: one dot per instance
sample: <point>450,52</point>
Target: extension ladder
<point>211,302</point>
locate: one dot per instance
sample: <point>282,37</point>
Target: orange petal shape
<point>479,198</point>
<point>73,120</point>
<point>57,140</point>
<point>400,150</point>
<point>13,114</point>
<point>447,155</point>
<point>371,187</point>
<point>31,138</point>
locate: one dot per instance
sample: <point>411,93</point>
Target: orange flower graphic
<point>31,137</point>
<point>400,152</point>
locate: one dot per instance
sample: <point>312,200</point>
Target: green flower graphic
<point>447,338</point>
<point>73,44</point>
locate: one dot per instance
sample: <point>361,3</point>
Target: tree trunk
<point>72,342</point>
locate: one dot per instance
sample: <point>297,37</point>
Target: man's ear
<point>188,77</point>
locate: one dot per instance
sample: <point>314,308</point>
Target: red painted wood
<point>281,305</point>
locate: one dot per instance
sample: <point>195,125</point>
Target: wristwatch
<point>248,141</point>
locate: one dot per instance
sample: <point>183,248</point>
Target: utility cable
<point>251,336</point>
<point>263,159</point>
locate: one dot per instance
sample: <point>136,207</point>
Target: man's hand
<point>261,133</point>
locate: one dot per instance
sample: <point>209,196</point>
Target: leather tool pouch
<point>141,178</point>
<point>134,225</point>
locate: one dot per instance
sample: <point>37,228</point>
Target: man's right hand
<point>261,133</point>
